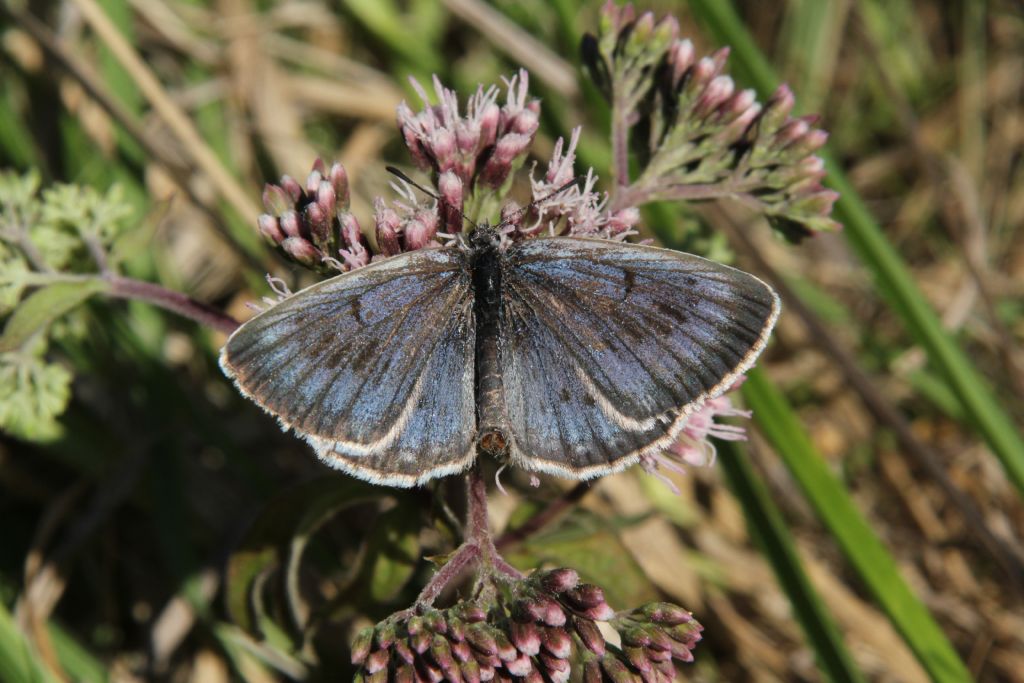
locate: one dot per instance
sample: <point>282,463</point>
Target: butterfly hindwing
<point>373,367</point>
<point>606,347</point>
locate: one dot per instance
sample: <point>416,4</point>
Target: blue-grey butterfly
<point>566,355</point>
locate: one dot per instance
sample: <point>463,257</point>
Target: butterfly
<point>566,355</point>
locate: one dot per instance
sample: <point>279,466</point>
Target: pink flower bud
<point>269,228</point>
<point>560,580</point>
<point>302,251</point>
<point>590,635</point>
<point>489,118</point>
<point>361,645</point>
<point>680,58</point>
<point>557,642</point>
<point>718,91</point>
<point>525,636</point>
<point>388,226</point>
<point>520,666</point>
<point>313,181</point>
<point>441,146</point>
<point>420,230</point>
<point>338,178</point>
<point>291,224</point>
<point>449,185</point>
<point>275,200</point>
<point>319,224</point>
<point>377,661</point>
<point>292,187</point>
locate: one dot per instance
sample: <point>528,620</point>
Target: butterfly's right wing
<point>374,368</point>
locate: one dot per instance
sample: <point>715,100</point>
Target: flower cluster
<point>536,630</point>
<point>695,135</point>
<point>310,224</point>
<point>485,146</point>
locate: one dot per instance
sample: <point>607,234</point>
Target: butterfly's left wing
<point>374,368</point>
<point>607,347</point>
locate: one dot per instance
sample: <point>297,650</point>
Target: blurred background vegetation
<point>869,530</point>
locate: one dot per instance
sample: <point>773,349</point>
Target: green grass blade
<point>767,526</point>
<point>892,276</point>
<point>833,505</point>
<point>18,661</point>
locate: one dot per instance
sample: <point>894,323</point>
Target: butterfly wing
<point>374,368</point>
<point>607,347</point>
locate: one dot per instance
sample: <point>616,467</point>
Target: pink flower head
<point>693,446</point>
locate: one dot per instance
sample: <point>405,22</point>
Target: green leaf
<point>44,306</point>
<point>32,394</point>
<point>18,661</point>
<point>282,531</point>
<point>764,520</point>
<point>862,548</point>
<point>393,552</point>
<point>590,545</point>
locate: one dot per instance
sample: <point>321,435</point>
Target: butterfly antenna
<point>403,177</point>
<point>406,179</point>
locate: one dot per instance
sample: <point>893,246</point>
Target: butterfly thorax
<point>492,421</point>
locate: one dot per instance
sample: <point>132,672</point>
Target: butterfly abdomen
<point>492,419</point>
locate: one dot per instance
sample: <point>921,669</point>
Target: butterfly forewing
<point>608,346</point>
<point>374,367</point>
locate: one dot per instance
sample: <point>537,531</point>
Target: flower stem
<point>176,302</point>
<point>477,550</point>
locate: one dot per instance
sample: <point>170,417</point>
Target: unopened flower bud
<point>616,670</point>
<point>275,200</point>
<point>776,109</point>
<point>420,641</point>
<point>557,642</point>
<point>441,653</point>
<point>525,636</point>
<point>319,225</point>
<point>388,225</point>
<point>376,661</point>
<point>489,119</point>
<point>718,91</point>
<point>521,665</point>
<point>420,230</point>
<point>481,639</point>
<point>558,669</point>
<point>302,251</point>
<point>291,187</point>
<point>384,635</point>
<point>361,645</point>
<point>505,649</point>
<point>290,224</point>
<point>590,635</point>
<point>313,181</point>
<point>664,613</point>
<point>338,178</point>
<point>469,613</point>
<point>405,673</point>
<point>470,671</point>
<point>403,651</point>
<point>269,228</point>
<point>560,580</point>
<point>554,615</point>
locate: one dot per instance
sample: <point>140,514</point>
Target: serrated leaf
<point>32,394</point>
<point>44,306</point>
